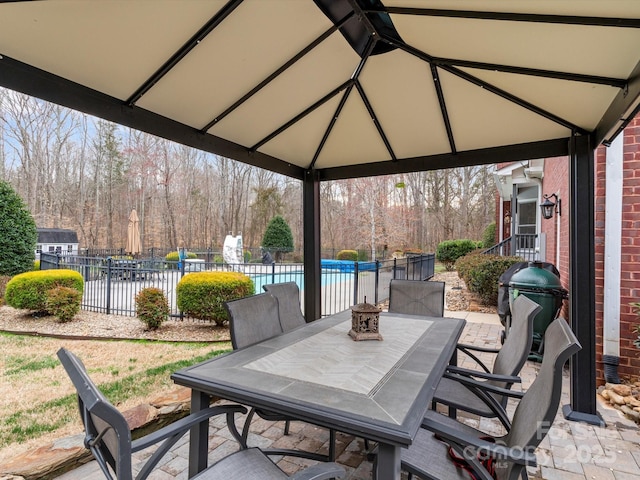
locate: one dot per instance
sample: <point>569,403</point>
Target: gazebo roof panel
<point>298,88</point>
<point>576,102</point>
<point>421,128</point>
<point>111,47</point>
<point>492,119</point>
<point>568,48</point>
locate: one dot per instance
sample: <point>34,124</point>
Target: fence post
<point>108,299</point>
<point>273,272</point>
<point>355,283</point>
<point>58,261</point>
<point>377,281</point>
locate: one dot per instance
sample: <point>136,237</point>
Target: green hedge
<point>347,255</point>
<point>481,273</point>
<point>174,257</point>
<point>451,250</point>
<point>489,235</point>
<point>29,290</point>
<point>202,294</point>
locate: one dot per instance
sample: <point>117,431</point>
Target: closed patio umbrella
<point>133,234</point>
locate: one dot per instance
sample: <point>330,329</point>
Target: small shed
<point>56,240</point>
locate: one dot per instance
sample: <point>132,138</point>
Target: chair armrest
<point>466,349</point>
<point>470,382</point>
<point>452,369</point>
<point>174,432</point>
<point>522,456</point>
<point>466,346</point>
<point>183,425</point>
<point>484,391</point>
<point>320,471</point>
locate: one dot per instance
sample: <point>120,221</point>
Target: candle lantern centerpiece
<point>365,322</point>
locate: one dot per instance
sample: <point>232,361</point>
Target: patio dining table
<point>379,390</point>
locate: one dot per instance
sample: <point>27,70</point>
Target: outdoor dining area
<point>394,393</point>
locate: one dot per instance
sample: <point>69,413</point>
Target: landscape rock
<point>52,460</point>
<point>45,461</point>
<point>615,398</point>
<point>621,389</point>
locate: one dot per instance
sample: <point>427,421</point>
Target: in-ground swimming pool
<point>328,277</point>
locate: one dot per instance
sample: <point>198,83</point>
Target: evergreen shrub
<point>152,307</point>
<point>18,234</point>
<point>347,255</point>
<point>36,264</point>
<point>202,294</point>
<point>489,236</point>
<point>63,303</point>
<point>451,250</point>
<point>29,290</point>
<point>481,274</point>
<point>278,238</point>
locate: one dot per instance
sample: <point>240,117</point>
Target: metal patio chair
<point>466,389</point>
<point>288,295</point>
<point>108,437</point>
<point>428,456</point>
<point>252,320</point>
<point>414,297</point>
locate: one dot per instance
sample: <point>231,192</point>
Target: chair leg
<point>332,445</point>
<point>247,424</point>
<point>286,427</point>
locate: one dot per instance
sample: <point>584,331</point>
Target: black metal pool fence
<point>111,283</point>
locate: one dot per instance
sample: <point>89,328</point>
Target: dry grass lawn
<point>37,401</point>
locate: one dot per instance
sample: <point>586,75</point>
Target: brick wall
<point>599,206</point>
<point>630,261</point>
<point>630,268</point>
<point>556,229</point>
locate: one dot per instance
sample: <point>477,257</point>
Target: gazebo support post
<point>582,282</point>
<point>311,235</point>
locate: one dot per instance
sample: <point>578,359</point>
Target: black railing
<point>520,245</point>
<point>112,283</point>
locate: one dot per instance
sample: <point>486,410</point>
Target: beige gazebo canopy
<point>327,89</point>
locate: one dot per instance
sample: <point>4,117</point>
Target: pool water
<point>328,278</point>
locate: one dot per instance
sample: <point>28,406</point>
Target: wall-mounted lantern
<point>548,206</point>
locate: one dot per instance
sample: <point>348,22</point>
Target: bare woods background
<point>75,171</point>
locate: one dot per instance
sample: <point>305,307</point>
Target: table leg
<point>454,361</point>
<point>199,435</point>
<point>388,462</point>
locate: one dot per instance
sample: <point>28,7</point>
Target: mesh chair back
<point>536,411</point>
<point>517,346</point>
<point>253,319</point>
<point>288,295</point>
<point>107,433</point>
<point>416,298</point>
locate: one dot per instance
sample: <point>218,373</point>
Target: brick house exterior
<point>616,332</point>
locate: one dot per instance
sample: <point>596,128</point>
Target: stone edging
<point>32,333</point>
<point>65,454</point>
